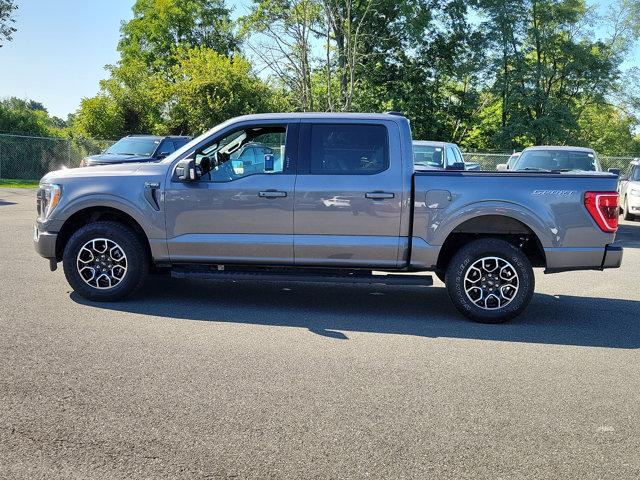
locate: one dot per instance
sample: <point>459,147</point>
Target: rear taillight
<point>603,207</point>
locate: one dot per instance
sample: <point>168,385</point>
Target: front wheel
<point>105,261</point>
<point>490,281</point>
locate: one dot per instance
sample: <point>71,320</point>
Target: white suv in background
<point>629,189</point>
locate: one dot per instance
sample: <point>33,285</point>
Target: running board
<point>305,277</point>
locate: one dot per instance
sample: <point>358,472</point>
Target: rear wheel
<point>490,281</point>
<point>105,261</point>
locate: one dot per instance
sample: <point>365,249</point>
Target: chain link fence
<point>24,157</point>
<point>489,161</point>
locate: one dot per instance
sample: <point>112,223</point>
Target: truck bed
<point>550,205</point>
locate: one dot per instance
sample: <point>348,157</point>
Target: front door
<point>241,209</point>
<point>349,195</point>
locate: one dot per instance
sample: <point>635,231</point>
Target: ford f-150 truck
<point>336,198</point>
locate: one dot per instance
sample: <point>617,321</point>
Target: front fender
<point>150,220</point>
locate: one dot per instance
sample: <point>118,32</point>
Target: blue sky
<point>58,54</point>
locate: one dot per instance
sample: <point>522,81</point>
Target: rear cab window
<point>427,155</point>
<point>348,149</point>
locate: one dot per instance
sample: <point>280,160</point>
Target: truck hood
<point>109,158</point>
<point>116,170</point>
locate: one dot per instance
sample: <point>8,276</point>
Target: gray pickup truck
<point>334,198</point>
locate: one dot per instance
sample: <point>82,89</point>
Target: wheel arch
<point>96,213</point>
<point>492,225</point>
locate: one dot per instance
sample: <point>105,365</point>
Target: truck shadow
<point>628,235</point>
<point>335,310</point>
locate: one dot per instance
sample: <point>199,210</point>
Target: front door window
<point>251,151</point>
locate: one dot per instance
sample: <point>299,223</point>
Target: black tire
<point>137,261</point>
<point>462,262</point>
<point>625,211</point>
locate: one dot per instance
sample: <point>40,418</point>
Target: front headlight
<point>48,199</point>
<point>634,191</point>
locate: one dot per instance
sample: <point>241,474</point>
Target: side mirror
<point>615,171</point>
<point>269,164</point>
<point>502,167</point>
<point>456,166</point>
<point>186,170</point>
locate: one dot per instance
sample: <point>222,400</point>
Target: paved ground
<point>216,380</point>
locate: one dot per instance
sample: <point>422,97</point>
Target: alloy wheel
<point>102,263</point>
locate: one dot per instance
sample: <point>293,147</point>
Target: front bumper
<point>612,256</point>
<point>633,202</point>
<point>45,243</point>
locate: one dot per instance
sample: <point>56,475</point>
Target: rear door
<point>348,194</point>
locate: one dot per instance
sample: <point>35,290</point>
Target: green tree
<point>145,90</point>
<point>548,69</point>
<point>283,43</point>
<point>99,117</point>
<point>608,130</point>
<point>6,20</point>
<point>208,88</point>
<point>160,27</point>
<point>28,117</point>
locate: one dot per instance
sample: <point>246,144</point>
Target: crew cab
<point>343,204</point>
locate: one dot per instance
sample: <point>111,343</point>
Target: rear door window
<point>346,149</point>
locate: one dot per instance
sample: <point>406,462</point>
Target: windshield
<point>427,155</point>
<point>134,146</point>
<point>512,160</point>
<point>564,160</point>
<point>636,175</point>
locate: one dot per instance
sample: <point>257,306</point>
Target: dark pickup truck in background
<point>137,148</point>
<point>335,197</point>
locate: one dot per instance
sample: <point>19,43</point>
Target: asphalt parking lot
<point>217,380</point>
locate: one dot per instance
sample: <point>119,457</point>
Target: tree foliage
<point>487,74</point>
<point>6,20</point>
<point>179,72</point>
<point>28,117</point>
<point>209,88</point>
<point>160,27</point>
